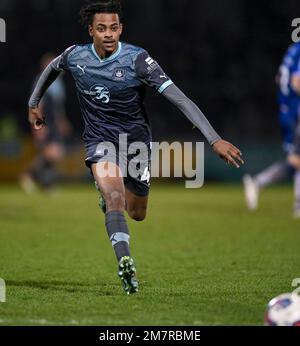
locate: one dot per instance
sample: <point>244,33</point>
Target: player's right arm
<point>49,75</point>
<point>35,116</point>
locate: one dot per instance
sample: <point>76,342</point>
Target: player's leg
<point>271,175</point>
<point>42,170</point>
<point>137,184</point>
<point>274,174</point>
<point>297,194</point>
<point>111,186</point>
<point>279,170</point>
<point>294,160</point>
<point>102,204</point>
<point>53,154</point>
<point>113,191</point>
<point>251,192</point>
<point>30,177</point>
<point>136,206</point>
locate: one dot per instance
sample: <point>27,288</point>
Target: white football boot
<point>251,192</point>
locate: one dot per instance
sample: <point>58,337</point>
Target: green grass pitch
<point>202,259</point>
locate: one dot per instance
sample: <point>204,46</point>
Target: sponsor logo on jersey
<point>99,93</point>
<point>149,61</point>
<point>152,64</point>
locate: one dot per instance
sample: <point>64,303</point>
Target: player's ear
<point>121,28</point>
<point>91,33</point>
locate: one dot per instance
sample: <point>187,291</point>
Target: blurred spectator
<point>288,81</point>
<point>50,140</point>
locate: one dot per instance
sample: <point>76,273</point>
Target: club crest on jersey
<point>100,93</point>
<point>119,74</point>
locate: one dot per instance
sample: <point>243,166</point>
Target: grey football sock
<point>118,233</point>
<point>273,174</point>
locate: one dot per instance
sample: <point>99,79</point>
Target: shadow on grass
<point>99,289</point>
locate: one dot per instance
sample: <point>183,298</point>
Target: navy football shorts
<point>135,167</point>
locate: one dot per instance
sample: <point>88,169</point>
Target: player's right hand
<point>35,118</point>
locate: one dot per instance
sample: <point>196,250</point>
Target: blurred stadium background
<point>221,266</point>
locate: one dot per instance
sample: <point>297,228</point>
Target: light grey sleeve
<point>192,112</point>
<point>48,76</point>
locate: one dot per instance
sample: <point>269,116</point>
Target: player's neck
<point>103,54</point>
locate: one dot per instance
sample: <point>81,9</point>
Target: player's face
<point>106,30</point>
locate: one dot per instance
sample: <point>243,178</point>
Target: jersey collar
<point>113,56</point>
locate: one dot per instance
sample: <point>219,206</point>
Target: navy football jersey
<point>111,91</point>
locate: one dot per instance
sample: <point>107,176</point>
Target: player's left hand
<point>228,152</point>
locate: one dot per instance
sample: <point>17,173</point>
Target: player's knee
<point>137,214</point>
<point>115,200</point>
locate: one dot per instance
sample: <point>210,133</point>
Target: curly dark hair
<point>88,11</point>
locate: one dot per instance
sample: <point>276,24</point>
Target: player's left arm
<point>149,71</point>
<point>227,151</point>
